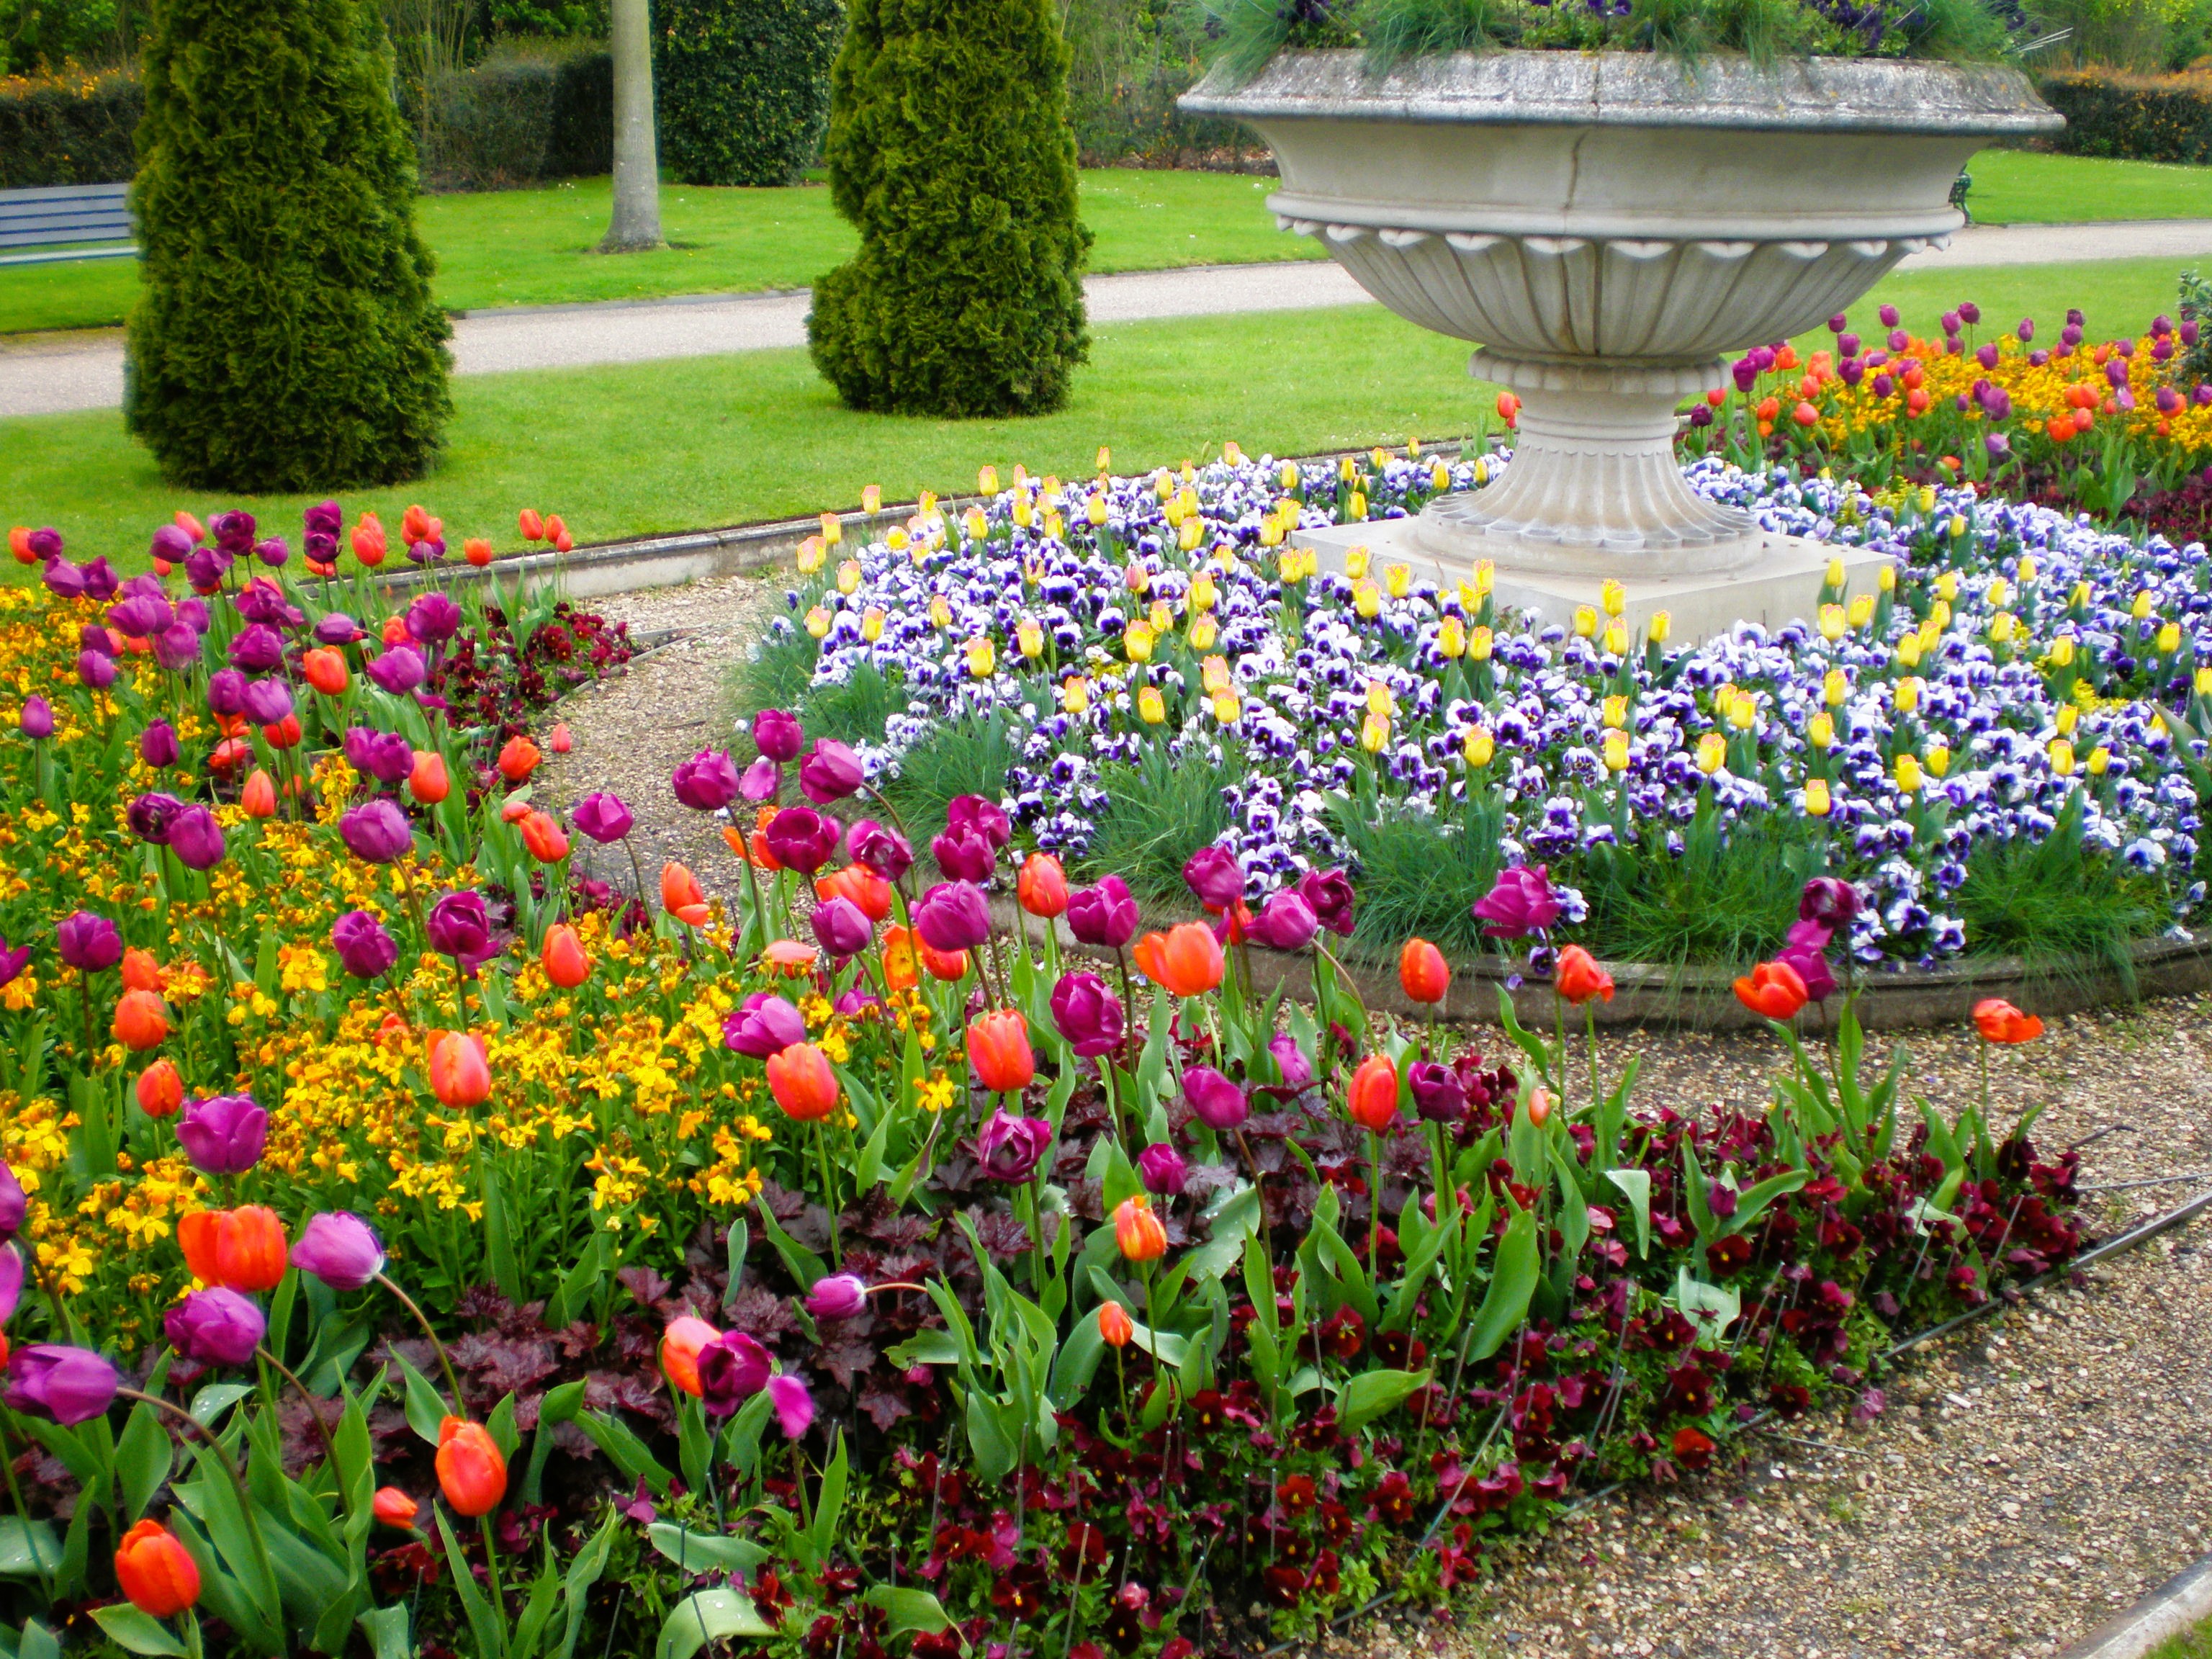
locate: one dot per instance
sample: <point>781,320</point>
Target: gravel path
<point>52,373</point>
<point>2030,1477</point>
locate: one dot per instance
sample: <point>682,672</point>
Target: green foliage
<point>286,338</point>
<point>2144,117</point>
<point>527,111</point>
<point>43,37</point>
<point>964,300</point>
<point>1159,812</point>
<point>742,87</point>
<point>2055,900</point>
<point>774,674</point>
<point>1128,61</point>
<point>69,129</point>
<point>967,757</point>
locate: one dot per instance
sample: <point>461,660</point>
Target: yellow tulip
<point>1227,706</point>
<point>1820,731</point>
<point>1232,453</point>
<point>1835,573</point>
<point>986,480</point>
<point>1030,638</point>
<point>812,555</point>
<point>1908,650</point>
<point>1926,498</point>
<point>2204,682</point>
<point>1105,458</point>
<point>1485,573</point>
<point>1187,538</point>
<point>1661,624</point>
<point>1440,476</point>
<point>1908,774</point>
<point>1616,751</point>
<point>1612,597</point>
<point>833,529</point>
<point>1024,514</point>
<point>872,498</point>
<point>975,523</point>
<point>1816,797</point>
<point>1947,585</point>
<point>1939,619</point>
<point>872,624</point>
<point>1862,610</point>
<point>1998,594</point>
<point>1375,732</point>
<point>1367,598</point>
<point>1287,475</point>
<point>2169,638</point>
<point>1451,637</point>
<point>1743,712</point>
<point>1614,712</point>
<point>1379,700</point>
<point>1886,579</point>
<point>1356,561</point>
<point>1161,617</point>
<point>1712,750</point>
<point>1957,527</point>
<point>2001,627</point>
<point>2100,759</point>
<point>1833,623</point>
<point>1094,508</point>
<point>1479,747</point>
<point>1203,594</point>
<point>1137,640</point>
<point>2068,716</point>
<point>1939,759</point>
<point>1585,621</point>
<point>1478,644</point>
<point>2062,758</point>
<point>2027,568</point>
<point>1075,694</point>
<point>1355,507</point>
<point>1907,695</point>
<point>2062,650</point>
<point>848,576</point>
<point>1835,686</point>
<point>2081,596</point>
<point>1203,633</point>
<point>1399,579</point>
<point>980,658</point>
<point>1151,707</point>
<point>2144,600</point>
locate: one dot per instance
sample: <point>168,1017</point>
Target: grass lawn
<point>2021,187</point>
<point>636,449</point>
<point>519,248</point>
<point>2189,1644</point>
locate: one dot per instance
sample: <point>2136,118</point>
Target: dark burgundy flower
<point>1009,1148</point>
<point>459,926</point>
<point>1087,1014</point>
<point>1214,875</point>
<point>151,815</point>
<point>1328,893</point>
<point>1829,901</point>
<point>365,949</point>
<point>803,839</point>
<point>1104,915</point>
<point>1438,1095</point>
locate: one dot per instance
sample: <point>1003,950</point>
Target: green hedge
<point>68,130</point>
<point>515,118</point>
<point>742,87</point>
<point>2137,117</point>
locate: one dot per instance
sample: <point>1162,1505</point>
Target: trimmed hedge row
<point>743,86</point>
<point>69,129</point>
<point>2138,117</point>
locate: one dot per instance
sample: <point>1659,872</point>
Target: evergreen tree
<point>744,85</point>
<point>286,338</point>
<point>950,149</point>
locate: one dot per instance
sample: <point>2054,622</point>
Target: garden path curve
<point>53,373</point>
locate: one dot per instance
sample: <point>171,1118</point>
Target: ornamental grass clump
<point>483,1257</point>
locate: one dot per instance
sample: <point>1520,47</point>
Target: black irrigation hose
<point>2180,1217</point>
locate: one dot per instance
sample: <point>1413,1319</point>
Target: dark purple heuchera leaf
<point>504,1364</point>
<point>1003,1237</point>
<point>846,1360</point>
<point>884,1402</point>
<point>760,1314</point>
<point>645,1285</point>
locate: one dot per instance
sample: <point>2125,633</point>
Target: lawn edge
<point>2173,1608</point>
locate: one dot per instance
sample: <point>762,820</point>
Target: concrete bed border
<point>2183,1601</point>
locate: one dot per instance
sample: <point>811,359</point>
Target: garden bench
<point>52,221</point>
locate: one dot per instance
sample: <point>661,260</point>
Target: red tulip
<point>1138,1231</point>
<point>803,1083</point>
<point>325,668</point>
<point>471,1473</point>
<point>1373,1100</point>
<point>461,1076</point>
<point>141,971</point>
<point>565,963</point>
<point>518,759</point>
<point>1041,886</point>
<point>142,1021</point>
<point>1422,972</point>
<point>531,525</point>
<point>1579,978</point>
<point>1115,1327</point>
<point>429,782</point>
<point>394,1508</point>
<point>681,895</point>
<point>1998,1021</point>
<point>1188,959</point>
<point>155,1572</point>
<point>259,797</point>
<point>160,1090</point>
<point>477,550</point>
<point>242,1249</point>
<point>680,1345</point>
<point>544,838</point>
<point>999,1050</point>
<point>1773,989</point>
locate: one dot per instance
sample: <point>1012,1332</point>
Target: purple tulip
<point>1287,922</point>
<point>953,915</point>
<point>1438,1095</point>
<point>226,692</point>
<point>1847,345</point>
<point>205,567</point>
<point>1291,1061</point>
<point>1104,915</point>
<point>257,649</point>
<point>794,1406</point>
<point>778,736</point>
<point>233,531</point>
<point>459,926</point>
<point>11,1281</point>
<point>36,722</point>
<point>336,628</point>
<point>760,782</point>
<point>1810,963</point>
<point>263,601</point>
<point>707,783</point>
<point>376,831</point>
<point>837,1296</point>
<point>1890,316</point>
<point>140,616</point>
<point>398,670</point>
<point>88,943</point>
<point>1214,875</point>
<point>981,816</point>
<point>842,928</point>
<point>1213,1099</point>
<point>1520,904</point>
<point>382,754</point>
<point>223,1134</point>
<point>1839,323</point>
<point>1087,1014</point>
<point>157,745</point>
<point>1969,312</point>
<point>365,949</point>
<point>1162,1168</point>
<point>14,1204</point>
<point>196,838</point>
<point>803,839</point>
<point>433,618</point>
<point>170,544</point>
<point>963,855</point>
<point>882,850</point>
<point>1829,901</point>
<point>95,670</point>
<point>62,580</point>
<point>763,1025</point>
<point>152,815</point>
<point>65,1385</point>
<point>829,772</point>
<point>1328,894</point>
<point>12,963</point>
<point>340,1249</point>
<point>603,818</point>
<point>732,1370</point>
<point>272,551</point>
<point>1009,1148</point>
<point>267,702</point>
<point>215,1327</point>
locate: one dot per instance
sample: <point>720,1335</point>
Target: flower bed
<point>880,1284</point>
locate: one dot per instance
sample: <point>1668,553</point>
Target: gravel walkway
<point>2030,1477</point>
<point>48,375</point>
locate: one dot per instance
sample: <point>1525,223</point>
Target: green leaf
<point>212,1402</point>
<point>386,1630</point>
<point>573,1293</point>
<point>1370,1394</point>
<point>143,1460</point>
<point>807,1267</point>
<point>27,1551</point>
<point>141,1632</point>
<point>909,1609</point>
<point>1512,1281</point>
<point>709,1616</point>
<point>702,1551</point>
<point>1694,1194</point>
<point>583,1572</point>
<point>426,1408</point>
<point>1752,1201</point>
<point>485,1621</point>
<point>1635,1185</point>
<point>625,1451</point>
<point>559,1404</point>
<point>829,1502</point>
<point>499,1234</point>
<point>37,1643</point>
<point>501,1426</point>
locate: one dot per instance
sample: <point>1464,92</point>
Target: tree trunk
<point>637,161</point>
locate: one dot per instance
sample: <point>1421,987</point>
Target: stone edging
<point>2178,1604</point>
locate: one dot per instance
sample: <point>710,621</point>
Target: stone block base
<point>1782,586</point>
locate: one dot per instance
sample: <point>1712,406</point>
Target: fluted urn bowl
<point>1605,225</point>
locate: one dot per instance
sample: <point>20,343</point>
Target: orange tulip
<point>142,1021</point>
<point>1540,1107</point>
<point>1773,989</point>
<point>285,734</point>
<point>229,753</point>
<point>557,533</point>
<point>18,544</point>
<point>141,972</point>
<point>1114,1328</point>
<point>1373,1100</point>
<point>789,956</point>
<point>1138,1230</point>
<point>679,1351</point>
<point>193,528</point>
<point>561,742</point>
<point>999,1050</point>
<point>259,797</point>
<point>1042,887</point>
<point>1189,959</point>
<point>518,759</point>
<point>429,782</point>
<point>471,1473</point>
<point>325,668</point>
<point>394,1508</point>
<point>866,890</point>
<point>900,971</point>
<point>544,838</point>
<point>395,629</point>
<point>1147,953</point>
<point>155,1572</point>
<point>477,550</point>
<point>680,895</point>
<point>949,966</point>
<point>368,541</point>
<point>242,1249</point>
<point>1422,971</point>
<point>529,522</point>
<point>515,809</point>
<point>1579,978</point>
<point>461,1076</point>
<point>160,1090</point>
<point>804,1085</point>
<point>1998,1021</point>
<point>563,957</point>
<point>757,848</point>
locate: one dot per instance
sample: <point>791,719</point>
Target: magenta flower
<point>603,817</point>
<point>882,849</point>
<point>762,781</point>
<point>794,1406</point>
<point>1104,915</point>
<point>223,1134</point>
<point>778,735</point>
<point>979,815</point>
<point>763,1025</point>
<point>459,926</point>
<point>1163,1170</point>
<point>1520,903</point>
<point>157,745</point>
<point>732,1370</point>
<point>1213,1099</point>
<point>707,783</point>
<point>1291,1060</point>
<point>953,915</point>
<point>267,702</point>
<point>1009,1148</point>
<point>88,943</point>
<point>11,1281</point>
<point>340,1249</point>
<point>842,928</point>
<point>1287,922</point>
<point>1829,901</point>
<point>196,838</point>
<point>1214,875</point>
<point>829,772</point>
<point>1329,893</point>
<point>376,831</point>
<point>433,618</point>
<point>803,839</point>
<point>398,670</point>
<point>1087,1014</point>
<point>964,855</point>
<point>336,628</point>
<point>838,1296</point>
<point>15,1205</point>
<point>215,1327</point>
<point>65,1385</point>
<point>36,722</point>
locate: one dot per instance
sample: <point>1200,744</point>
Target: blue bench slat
<point>56,226</point>
<point>67,193</point>
<point>68,254</point>
<point>58,218</point>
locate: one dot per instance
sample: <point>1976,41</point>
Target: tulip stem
<point>314,1415</point>
<point>828,1194</point>
<point>22,1513</point>
<point>1258,1190</point>
<point>1128,1000</point>
<point>1590,1031</point>
<point>491,1569</point>
<point>445,1363</point>
<point>1374,1203</point>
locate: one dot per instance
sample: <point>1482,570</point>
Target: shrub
<point>744,85</point>
<point>286,338</point>
<point>70,128</point>
<point>964,299</point>
<point>2140,118</point>
<point>518,117</point>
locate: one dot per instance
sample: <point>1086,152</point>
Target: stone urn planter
<point>1605,226</point>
